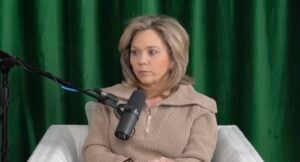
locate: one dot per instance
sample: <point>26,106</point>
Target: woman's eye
<point>153,52</point>
<point>133,52</point>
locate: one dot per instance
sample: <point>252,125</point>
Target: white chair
<point>62,143</point>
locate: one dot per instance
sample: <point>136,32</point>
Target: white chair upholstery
<point>62,143</point>
<point>233,146</point>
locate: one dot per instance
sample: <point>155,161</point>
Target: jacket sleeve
<point>202,141</point>
<point>96,146</point>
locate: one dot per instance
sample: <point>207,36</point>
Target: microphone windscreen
<point>130,115</point>
<point>137,100</point>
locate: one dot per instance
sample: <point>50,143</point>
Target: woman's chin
<point>147,83</point>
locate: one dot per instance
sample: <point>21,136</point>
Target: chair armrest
<point>233,146</point>
<point>60,143</point>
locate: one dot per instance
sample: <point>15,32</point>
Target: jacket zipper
<point>148,121</point>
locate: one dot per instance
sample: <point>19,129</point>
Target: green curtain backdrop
<point>244,53</point>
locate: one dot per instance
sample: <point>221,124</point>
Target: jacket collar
<point>184,96</point>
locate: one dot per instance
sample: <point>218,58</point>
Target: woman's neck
<point>153,102</point>
<point>152,99</point>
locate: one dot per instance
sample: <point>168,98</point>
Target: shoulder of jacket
<point>187,95</point>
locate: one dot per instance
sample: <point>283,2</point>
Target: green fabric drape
<point>245,54</point>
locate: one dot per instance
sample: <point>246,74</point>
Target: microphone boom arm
<point>6,63</point>
<point>100,96</point>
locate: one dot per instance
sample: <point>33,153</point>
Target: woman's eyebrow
<point>148,47</point>
<point>152,46</point>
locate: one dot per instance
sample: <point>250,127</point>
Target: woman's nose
<point>143,59</point>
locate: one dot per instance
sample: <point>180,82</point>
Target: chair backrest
<point>233,146</point>
<point>90,108</point>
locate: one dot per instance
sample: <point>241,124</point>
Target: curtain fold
<point>243,53</point>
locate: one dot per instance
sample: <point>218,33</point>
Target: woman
<point>178,124</point>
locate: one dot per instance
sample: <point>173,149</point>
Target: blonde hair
<point>174,36</point>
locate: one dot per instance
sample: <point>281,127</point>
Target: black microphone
<point>130,115</point>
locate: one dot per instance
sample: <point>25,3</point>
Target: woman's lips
<point>143,72</point>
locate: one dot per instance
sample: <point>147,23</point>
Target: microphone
<point>130,115</point>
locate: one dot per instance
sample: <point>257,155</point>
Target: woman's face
<point>149,58</point>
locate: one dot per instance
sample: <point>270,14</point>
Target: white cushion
<point>233,146</point>
<point>61,143</point>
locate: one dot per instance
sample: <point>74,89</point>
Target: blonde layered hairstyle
<point>176,39</point>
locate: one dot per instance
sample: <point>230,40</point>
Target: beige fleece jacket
<point>182,127</point>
